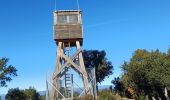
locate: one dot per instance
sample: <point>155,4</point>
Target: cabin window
<point>67,19</point>
<point>62,19</point>
<point>73,18</point>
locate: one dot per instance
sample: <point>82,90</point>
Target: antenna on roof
<point>55,4</point>
<point>78,5</point>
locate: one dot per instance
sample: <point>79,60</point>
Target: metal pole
<point>95,83</point>
<point>55,5</point>
<point>72,92</point>
<point>78,5</point>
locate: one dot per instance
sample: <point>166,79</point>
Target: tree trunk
<point>97,88</point>
<point>166,94</point>
<point>153,98</point>
<point>146,97</point>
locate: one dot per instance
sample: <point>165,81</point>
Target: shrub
<point>15,94</point>
<point>141,97</point>
<point>102,95</point>
<point>107,95</point>
<point>87,97</point>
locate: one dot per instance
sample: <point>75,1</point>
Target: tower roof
<point>67,11</point>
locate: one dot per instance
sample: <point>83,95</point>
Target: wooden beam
<point>72,63</point>
<point>82,67</point>
<point>66,63</point>
<point>58,67</point>
<point>59,56</point>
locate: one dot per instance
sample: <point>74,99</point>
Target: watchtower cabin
<point>68,27</point>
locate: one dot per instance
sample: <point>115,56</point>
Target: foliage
<point>76,94</point>
<point>102,95</point>
<point>147,73</point>
<point>42,97</point>
<point>141,97</point>
<point>87,97</point>
<point>15,94</point>
<point>107,95</point>
<point>6,72</point>
<point>97,59</point>
<point>119,86</point>
<point>32,94</point>
<point>27,94</point>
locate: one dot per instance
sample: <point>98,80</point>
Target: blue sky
<point>117,26</point>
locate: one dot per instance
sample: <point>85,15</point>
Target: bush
<point>102,95</point>
<point>141,97</point>
<point>15,94</point>
<point>107,95</point>
<point>27,94</point>
<point>87,97</point>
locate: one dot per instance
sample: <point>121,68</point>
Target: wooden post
<point>84,73</point>
<point>56,82</point>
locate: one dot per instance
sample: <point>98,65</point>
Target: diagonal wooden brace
<point>67,63</point>
<point>74,65</point>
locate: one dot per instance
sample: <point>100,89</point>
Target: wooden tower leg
<point>56,81</point>
<point>82,67</point>
<point>64,61</point>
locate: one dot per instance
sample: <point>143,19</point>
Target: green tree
<point>6,72</point>
<point>31,94</point>
<point>147,73</point>
<point>27,94</point>
<point>15,94</point>
<point>98,60</point>
<point>118,86</point>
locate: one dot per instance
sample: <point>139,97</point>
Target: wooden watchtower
<point>68,34</point>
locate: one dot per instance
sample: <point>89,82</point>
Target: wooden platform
<point>71,41</point>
